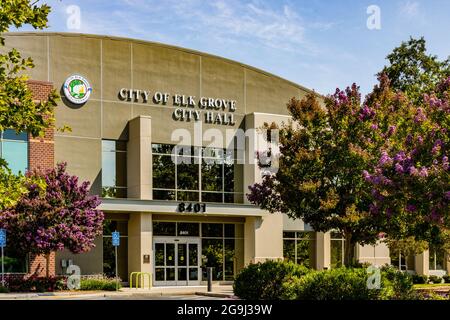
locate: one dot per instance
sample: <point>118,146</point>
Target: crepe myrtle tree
<point>363,169</point>
<point>411,180</point>
<point>323,151</point>
<point>18,111</point>
<point>60,215</point>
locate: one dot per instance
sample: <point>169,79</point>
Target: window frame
<point>197,157</point>
<point>201,236</point>
<point>25,141</point>
<point>335,236</point>
<point>433,257</point>
<point>296,238</point>
<point>114,151</point>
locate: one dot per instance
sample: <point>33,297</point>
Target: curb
<point>61,295</point>
<point>79,295</point>
<point>215,295</point>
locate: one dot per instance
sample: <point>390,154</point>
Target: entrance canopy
<point>156,206</point>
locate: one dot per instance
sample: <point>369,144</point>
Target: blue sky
<point>320,44</point>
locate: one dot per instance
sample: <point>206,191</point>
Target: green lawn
<point>430,286</point>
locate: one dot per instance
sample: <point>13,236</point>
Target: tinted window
<point>164,228</point>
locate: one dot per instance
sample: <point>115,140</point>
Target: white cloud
<point>279,27</point>
<point>254,22</point>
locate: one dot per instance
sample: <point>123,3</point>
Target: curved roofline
<point>192,51</point>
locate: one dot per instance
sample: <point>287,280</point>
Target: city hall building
<point>129,105</point>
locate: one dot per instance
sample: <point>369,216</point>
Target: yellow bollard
<point>140,279</point>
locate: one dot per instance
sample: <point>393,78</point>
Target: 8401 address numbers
<point>192,207</point>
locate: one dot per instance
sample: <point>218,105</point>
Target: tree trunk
<point>47,262</point>
<point>348,249</point>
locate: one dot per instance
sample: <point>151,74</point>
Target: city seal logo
<point>77,89</point>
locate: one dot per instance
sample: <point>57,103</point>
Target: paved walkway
<point>197,292</point>
<point>226,290</point>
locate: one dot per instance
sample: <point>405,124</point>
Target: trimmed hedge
<point>419,279</point>
<point>435,279</point>
<point>446,279</point>
<point>99,284</point>
<point>264,281</point>
<point>4,289</point>
<point>334,284</point>
<point>397,285</point>
<point>274,280</point>
<point>37,284</point>
<point>349,284</point>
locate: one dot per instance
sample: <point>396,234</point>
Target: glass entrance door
<point>176,261</point>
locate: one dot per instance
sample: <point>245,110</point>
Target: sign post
<point>2,245</point>
<point>116,243</point>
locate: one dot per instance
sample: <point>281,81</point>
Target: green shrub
<point>446,279</point>
<point>3,289</point>
<point>281,280</point>
<point>435,279</point>
<point>37,284</point>
<point>290,288</point>
<point>349,284</point>
<point>265,281</point>
<point>334,284</point>
<point>431,295</point>
<point>419,279</point>
<point>98,284</point>
<point>396,285</point>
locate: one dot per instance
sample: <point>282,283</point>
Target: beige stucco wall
<point>263,238</point>
<point>323,250</point>
<point>90,262</point>
<point>252,173</point>
<point>139,242</point>
<point>422,263</point>
<point>113,63</point>
<point>139,158</point>
<point>376,255</point>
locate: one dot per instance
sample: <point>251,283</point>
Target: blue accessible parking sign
<point>2,238</point>
<point>115,238</point>
<point>2,245</point>
<point>116,243</point>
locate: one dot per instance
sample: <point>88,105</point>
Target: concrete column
<point>447,262</point>
<point>376,255</point>
<point>323,250</point>
<point>422,264</point>
<point>252,173</point>
<point>140,242</point>
<point>255,142</point>
<point>249,240</point>
<point>263,238</point>
<point>139,158</point>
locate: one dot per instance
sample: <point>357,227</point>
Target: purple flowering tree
<point>411,179</point>
<point>322,154</point>
<point>365,167</point>
<point>61,215</point>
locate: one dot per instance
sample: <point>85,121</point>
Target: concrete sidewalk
<point>219,291</point>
